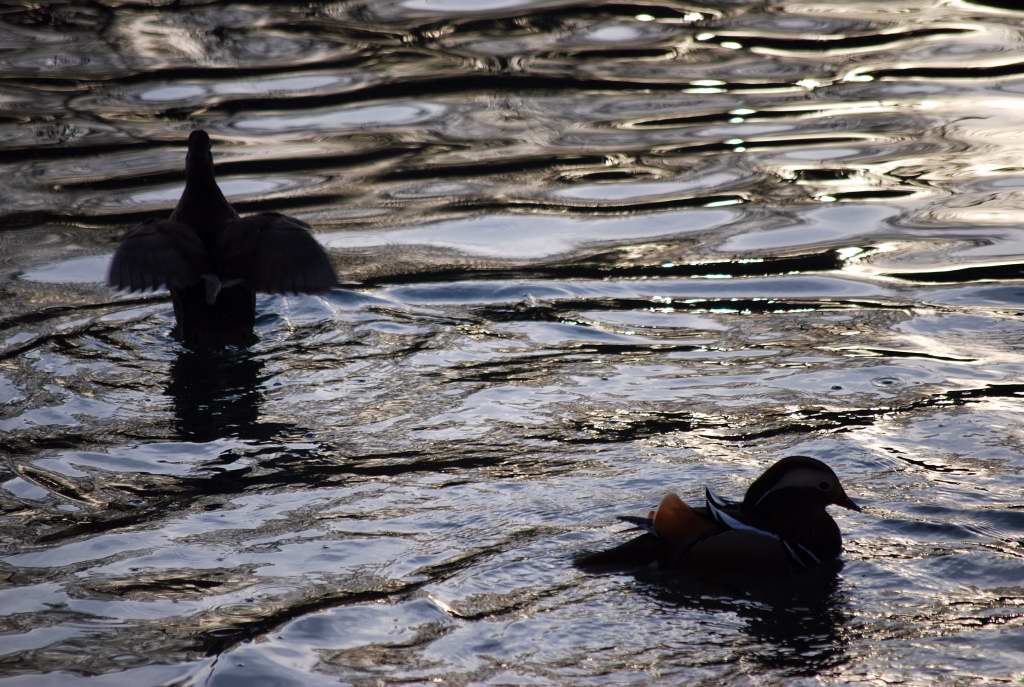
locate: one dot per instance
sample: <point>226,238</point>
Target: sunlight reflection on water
<point>590,254</point>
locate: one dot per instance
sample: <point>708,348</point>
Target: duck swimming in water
<point>214,262</point>
<point>781,527</point>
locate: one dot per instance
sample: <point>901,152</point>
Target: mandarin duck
<point>780,527</point>
<point>213,262</point>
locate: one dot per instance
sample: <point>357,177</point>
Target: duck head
<point>199,160</point>
<point>202,205</point>
<point>796,483</point>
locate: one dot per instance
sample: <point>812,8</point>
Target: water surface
<point>592,252</point>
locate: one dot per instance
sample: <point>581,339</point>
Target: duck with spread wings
<point>214,262</point>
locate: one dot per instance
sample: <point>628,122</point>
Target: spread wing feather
<point>155,254</point>
<point>275,253</point>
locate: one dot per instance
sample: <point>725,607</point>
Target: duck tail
<point>638,523</point>
<point>636,553</point>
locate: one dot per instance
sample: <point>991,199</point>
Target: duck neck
<point>202,205</point>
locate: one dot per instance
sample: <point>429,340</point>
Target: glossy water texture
<point>592,252</point>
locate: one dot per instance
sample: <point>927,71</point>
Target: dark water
<point>593,252</point>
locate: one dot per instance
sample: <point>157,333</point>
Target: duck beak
<point>846,502</point>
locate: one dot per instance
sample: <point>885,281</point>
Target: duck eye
<point>823,486</point>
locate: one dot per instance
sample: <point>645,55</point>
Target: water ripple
<point>592,253</point>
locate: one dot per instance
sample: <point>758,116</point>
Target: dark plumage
<point>213,262</point>
<point>780,527</point>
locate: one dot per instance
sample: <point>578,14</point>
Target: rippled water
<point>592,252</point>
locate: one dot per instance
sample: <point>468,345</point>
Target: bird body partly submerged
<point>781,527</point>
<point>214,262</point>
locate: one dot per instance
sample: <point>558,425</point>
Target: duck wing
<point>274,253</point>
<point>674,521</point>
<point>740,552</point>
<point>671,529</point>
<point>158,253</point>
<point>727,514</point>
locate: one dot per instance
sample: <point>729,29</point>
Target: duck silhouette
<point>781,527</point>
<point>214,262</point>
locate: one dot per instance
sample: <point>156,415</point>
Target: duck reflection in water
<point>214,262</point>
<point>218,394</point>
<point>798,626</point>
